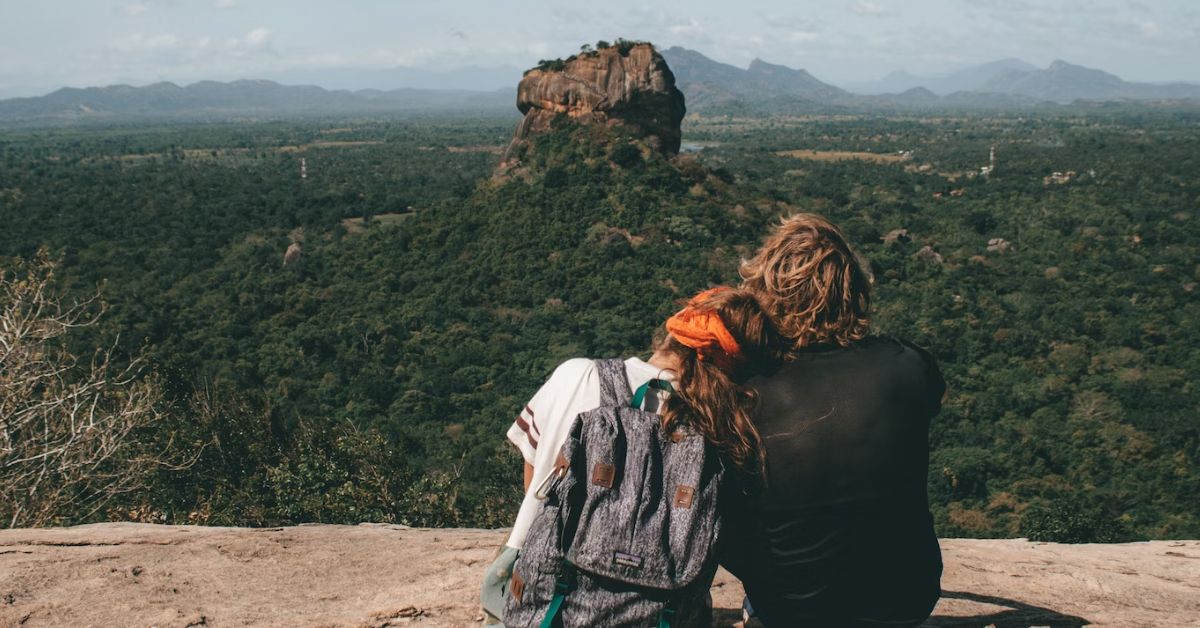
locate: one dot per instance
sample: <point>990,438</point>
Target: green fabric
<point>495,585</point>
<point>639,396</point>
<point>564,585</point>
<point>553,609</point>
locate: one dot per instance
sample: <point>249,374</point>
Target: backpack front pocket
<point>536,571</point>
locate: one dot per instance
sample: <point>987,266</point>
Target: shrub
<point>1073,521</point>
<point>70,429</point>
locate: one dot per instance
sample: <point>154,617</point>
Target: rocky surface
<point>125,574</point>
<point>635,89</point>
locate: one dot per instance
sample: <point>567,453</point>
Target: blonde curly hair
<point>812,284</point>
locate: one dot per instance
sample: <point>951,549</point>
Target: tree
<point>69,428</point>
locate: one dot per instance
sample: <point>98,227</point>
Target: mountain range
<point>244,97</point>
<point>474,78</point>
<point>999,84</point>
<point>1064,82</point>
<point>708,85</point>
<point>963,80</point>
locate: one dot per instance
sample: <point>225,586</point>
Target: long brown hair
<point>710,394</point>
<point>811,282</point>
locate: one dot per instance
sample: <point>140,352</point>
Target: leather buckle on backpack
<point>602,475</point>
<point>516,586</point>
<point>683,496</point>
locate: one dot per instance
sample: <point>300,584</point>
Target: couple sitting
<point>784,443</point>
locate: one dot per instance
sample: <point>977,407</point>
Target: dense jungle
<point>1048,261</point>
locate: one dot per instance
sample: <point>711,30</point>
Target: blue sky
<point>50,43</point>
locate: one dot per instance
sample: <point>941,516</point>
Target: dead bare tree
<point>69,428</point>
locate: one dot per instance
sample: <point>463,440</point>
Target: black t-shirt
<point>841,533</point>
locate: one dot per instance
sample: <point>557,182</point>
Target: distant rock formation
<point>928,255</point>
<point>292,254</point>
<point>999,245</point>
<point>628,85</point>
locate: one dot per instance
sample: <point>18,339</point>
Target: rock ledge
<point>370,576</point>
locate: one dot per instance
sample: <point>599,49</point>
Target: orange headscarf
<point>704,331</point>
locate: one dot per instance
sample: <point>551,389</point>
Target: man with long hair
<point>837,530</point>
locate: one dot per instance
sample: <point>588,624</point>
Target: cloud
<point>403,58</point>
<point>790,22</point>
<point>802,37</point>
<point>865,7</point>
<point>692,28</point>
<point>139,43</point>
<point>169,49</point>
<point>517,50</point>
<point>324,60</point>
<point>1127,24</point>
<point>135,9</point>
<point>258,38</point>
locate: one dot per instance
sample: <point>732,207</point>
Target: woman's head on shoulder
<point>719,339</point>
<point>724,328</point>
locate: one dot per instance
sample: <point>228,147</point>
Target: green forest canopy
<point>374,378</point>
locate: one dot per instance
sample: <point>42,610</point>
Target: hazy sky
<point>45,44</point>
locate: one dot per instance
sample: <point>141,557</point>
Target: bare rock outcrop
<point>999,245</point>
<point>293,253</point>
<point>928,255</point>
<point>371,576</point>
<point>628,85</point>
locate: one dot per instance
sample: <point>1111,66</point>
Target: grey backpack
<point>627,532</point>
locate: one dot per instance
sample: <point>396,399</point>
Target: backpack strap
<point>666,616</point>
<point>639,395</point>
<point>564,585</point>
<point>614,385</point>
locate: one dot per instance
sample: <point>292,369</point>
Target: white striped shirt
<point>541,427</point>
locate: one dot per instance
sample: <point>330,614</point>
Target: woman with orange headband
<point>717,341</point>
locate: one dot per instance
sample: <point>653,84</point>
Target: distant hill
<point>1020,84</point>
<point>468,78</point>
<point>922,98</point>
<point>708,86</point>
<point>1005,84</point>
<point>965,80</point>
<point>1064,82</point>
<point>245,97</point>
<point>707,83</point>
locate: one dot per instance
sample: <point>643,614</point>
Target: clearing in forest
<point>358,225</point>
<point>843,155</point>
<point>328,144</point>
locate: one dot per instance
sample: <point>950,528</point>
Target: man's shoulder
<point>870,363</point>
<point>901,349</point>
<point>879,348</point>
<point>902,361</point>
